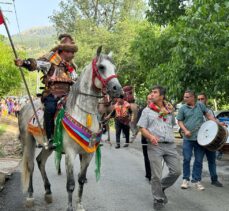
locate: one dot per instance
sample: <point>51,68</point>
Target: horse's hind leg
<point>41,161</point>
<point>69,159</point>
<point>28,168</point>
<point>86,158</point>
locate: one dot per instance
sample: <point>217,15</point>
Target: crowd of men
<point>9,106</point>
<point>156,121</point>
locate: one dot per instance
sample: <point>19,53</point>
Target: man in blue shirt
<point>190,117</point>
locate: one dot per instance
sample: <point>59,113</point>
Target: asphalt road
<point>122,187</point>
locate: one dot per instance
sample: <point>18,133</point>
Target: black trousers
<point>120,127</point>
<point>146,158</point>
<point>50,103</point>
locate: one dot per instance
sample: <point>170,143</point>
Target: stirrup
<point>49,145</point>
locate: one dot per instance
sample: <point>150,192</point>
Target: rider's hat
<point>66,44</point>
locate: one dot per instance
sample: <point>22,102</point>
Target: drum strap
<point>201,108</point>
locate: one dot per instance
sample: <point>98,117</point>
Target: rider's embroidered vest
<point>58,80</point>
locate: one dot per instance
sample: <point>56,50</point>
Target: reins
<point>90,95</point>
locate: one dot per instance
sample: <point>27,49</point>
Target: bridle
<point>96,74</point>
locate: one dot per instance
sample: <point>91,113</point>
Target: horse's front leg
<point>84,163</point>
<point>69,159</point>
<point>41,161</point>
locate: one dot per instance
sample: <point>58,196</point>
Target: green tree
<point>193,53</point>
<point>118,41</point>
<point>104,13</point>
<point>163,12</point>
<point>10,76</point>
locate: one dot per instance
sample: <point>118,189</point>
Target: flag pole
<point>23,78</point>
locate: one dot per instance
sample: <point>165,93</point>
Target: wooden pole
<point>26,86</point>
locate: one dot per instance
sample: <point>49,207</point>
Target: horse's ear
<point>99,50</point>
<point>110,54</point>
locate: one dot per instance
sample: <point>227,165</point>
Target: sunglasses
<point>201,98</point>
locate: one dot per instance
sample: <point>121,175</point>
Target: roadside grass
<point>2,154</point>
<point>2,128</point>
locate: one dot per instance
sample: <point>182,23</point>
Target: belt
<point>165,142</point>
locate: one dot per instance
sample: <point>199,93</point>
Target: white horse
<point>82,101</point>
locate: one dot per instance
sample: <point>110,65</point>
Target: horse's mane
<point>72,96</point>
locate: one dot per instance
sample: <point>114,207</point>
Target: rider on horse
<point>59,74</point>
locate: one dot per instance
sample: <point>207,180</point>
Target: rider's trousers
<point>50,104</point>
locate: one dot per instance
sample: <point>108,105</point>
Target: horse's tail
<point>28,143</point>
<point>27,161</point>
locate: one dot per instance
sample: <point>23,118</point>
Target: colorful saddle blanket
<point>88,140</point>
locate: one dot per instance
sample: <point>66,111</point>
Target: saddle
<point>33,126</point>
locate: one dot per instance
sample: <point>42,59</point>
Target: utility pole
<point>5,2</point>
<point>8,3</point>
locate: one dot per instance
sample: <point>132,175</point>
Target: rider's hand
<point>154,140</point>
<point>107,118</point>
<point>18,62</point>
<point>187,133</point>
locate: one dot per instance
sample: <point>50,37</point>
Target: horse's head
<point>103,76</point>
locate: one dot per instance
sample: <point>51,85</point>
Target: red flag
<point>1,18</point>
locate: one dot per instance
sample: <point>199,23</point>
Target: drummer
<point>211,156</point>
<point>190,118</point>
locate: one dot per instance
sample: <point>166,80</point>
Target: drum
<point>212,135</point>
<point>225,148</point>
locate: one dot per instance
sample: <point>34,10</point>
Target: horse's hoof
<point>70,209</point>
<point>48,198</point>
<point>29,202</point>
<point>80,207</point>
